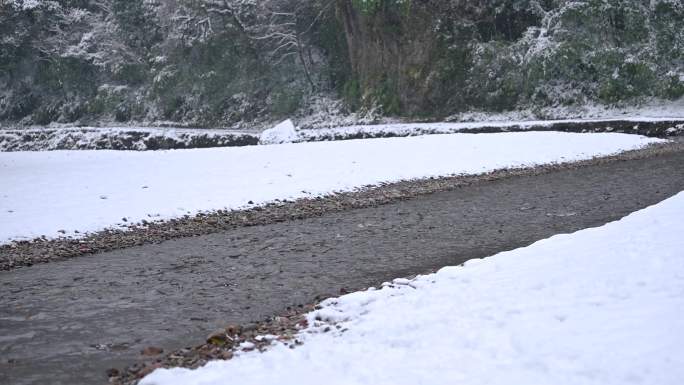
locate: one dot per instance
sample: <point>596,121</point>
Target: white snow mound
<point>284,132</point>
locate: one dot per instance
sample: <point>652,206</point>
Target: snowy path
<point>55,193</point>
<point>600,306</point>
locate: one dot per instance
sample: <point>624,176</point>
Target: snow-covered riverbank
<point>63,192</point>
<point>600,306</point>
<point>150,139</point>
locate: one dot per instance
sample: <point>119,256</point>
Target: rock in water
<point>218,338</point>
<point>284,132</point>
<point>151,351</point>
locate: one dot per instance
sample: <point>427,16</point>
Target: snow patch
<point>676,129</point>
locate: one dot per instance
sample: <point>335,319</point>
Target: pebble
<point>254,336</point>
<point>151,351</point>
<point>218,338</point>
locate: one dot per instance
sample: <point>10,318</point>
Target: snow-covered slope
<point>120,138</point>
<point>61,192</point>
<point>602,306</point>
<point>644,125</point>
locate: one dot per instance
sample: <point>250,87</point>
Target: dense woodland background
<point>232,63</point>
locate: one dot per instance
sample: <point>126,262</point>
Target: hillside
<point>242,63</point>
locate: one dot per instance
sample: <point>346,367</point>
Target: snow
<point>148,138</point>
<point>411,129</point>
<point>601,306</point>
<point>329,113</point>
<point>24,4</point>
<point>284,132</point>
<point>675,130</point>
<point>654,108</point>
<point>60,193</point>
<point>130,138</point>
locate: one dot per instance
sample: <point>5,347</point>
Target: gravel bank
<point>27,253</point>
<point>221,344</point>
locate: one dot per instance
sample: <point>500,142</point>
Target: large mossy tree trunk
<point>391,51</point>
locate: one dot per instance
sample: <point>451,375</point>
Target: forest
<point>236,63</point>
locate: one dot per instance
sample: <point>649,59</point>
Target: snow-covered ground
<point>327,112</point>
<point>61,192</point>
<point>146,138</point>
<point>602,306</point>
<point>410,129</point>
<point>655,108</point>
